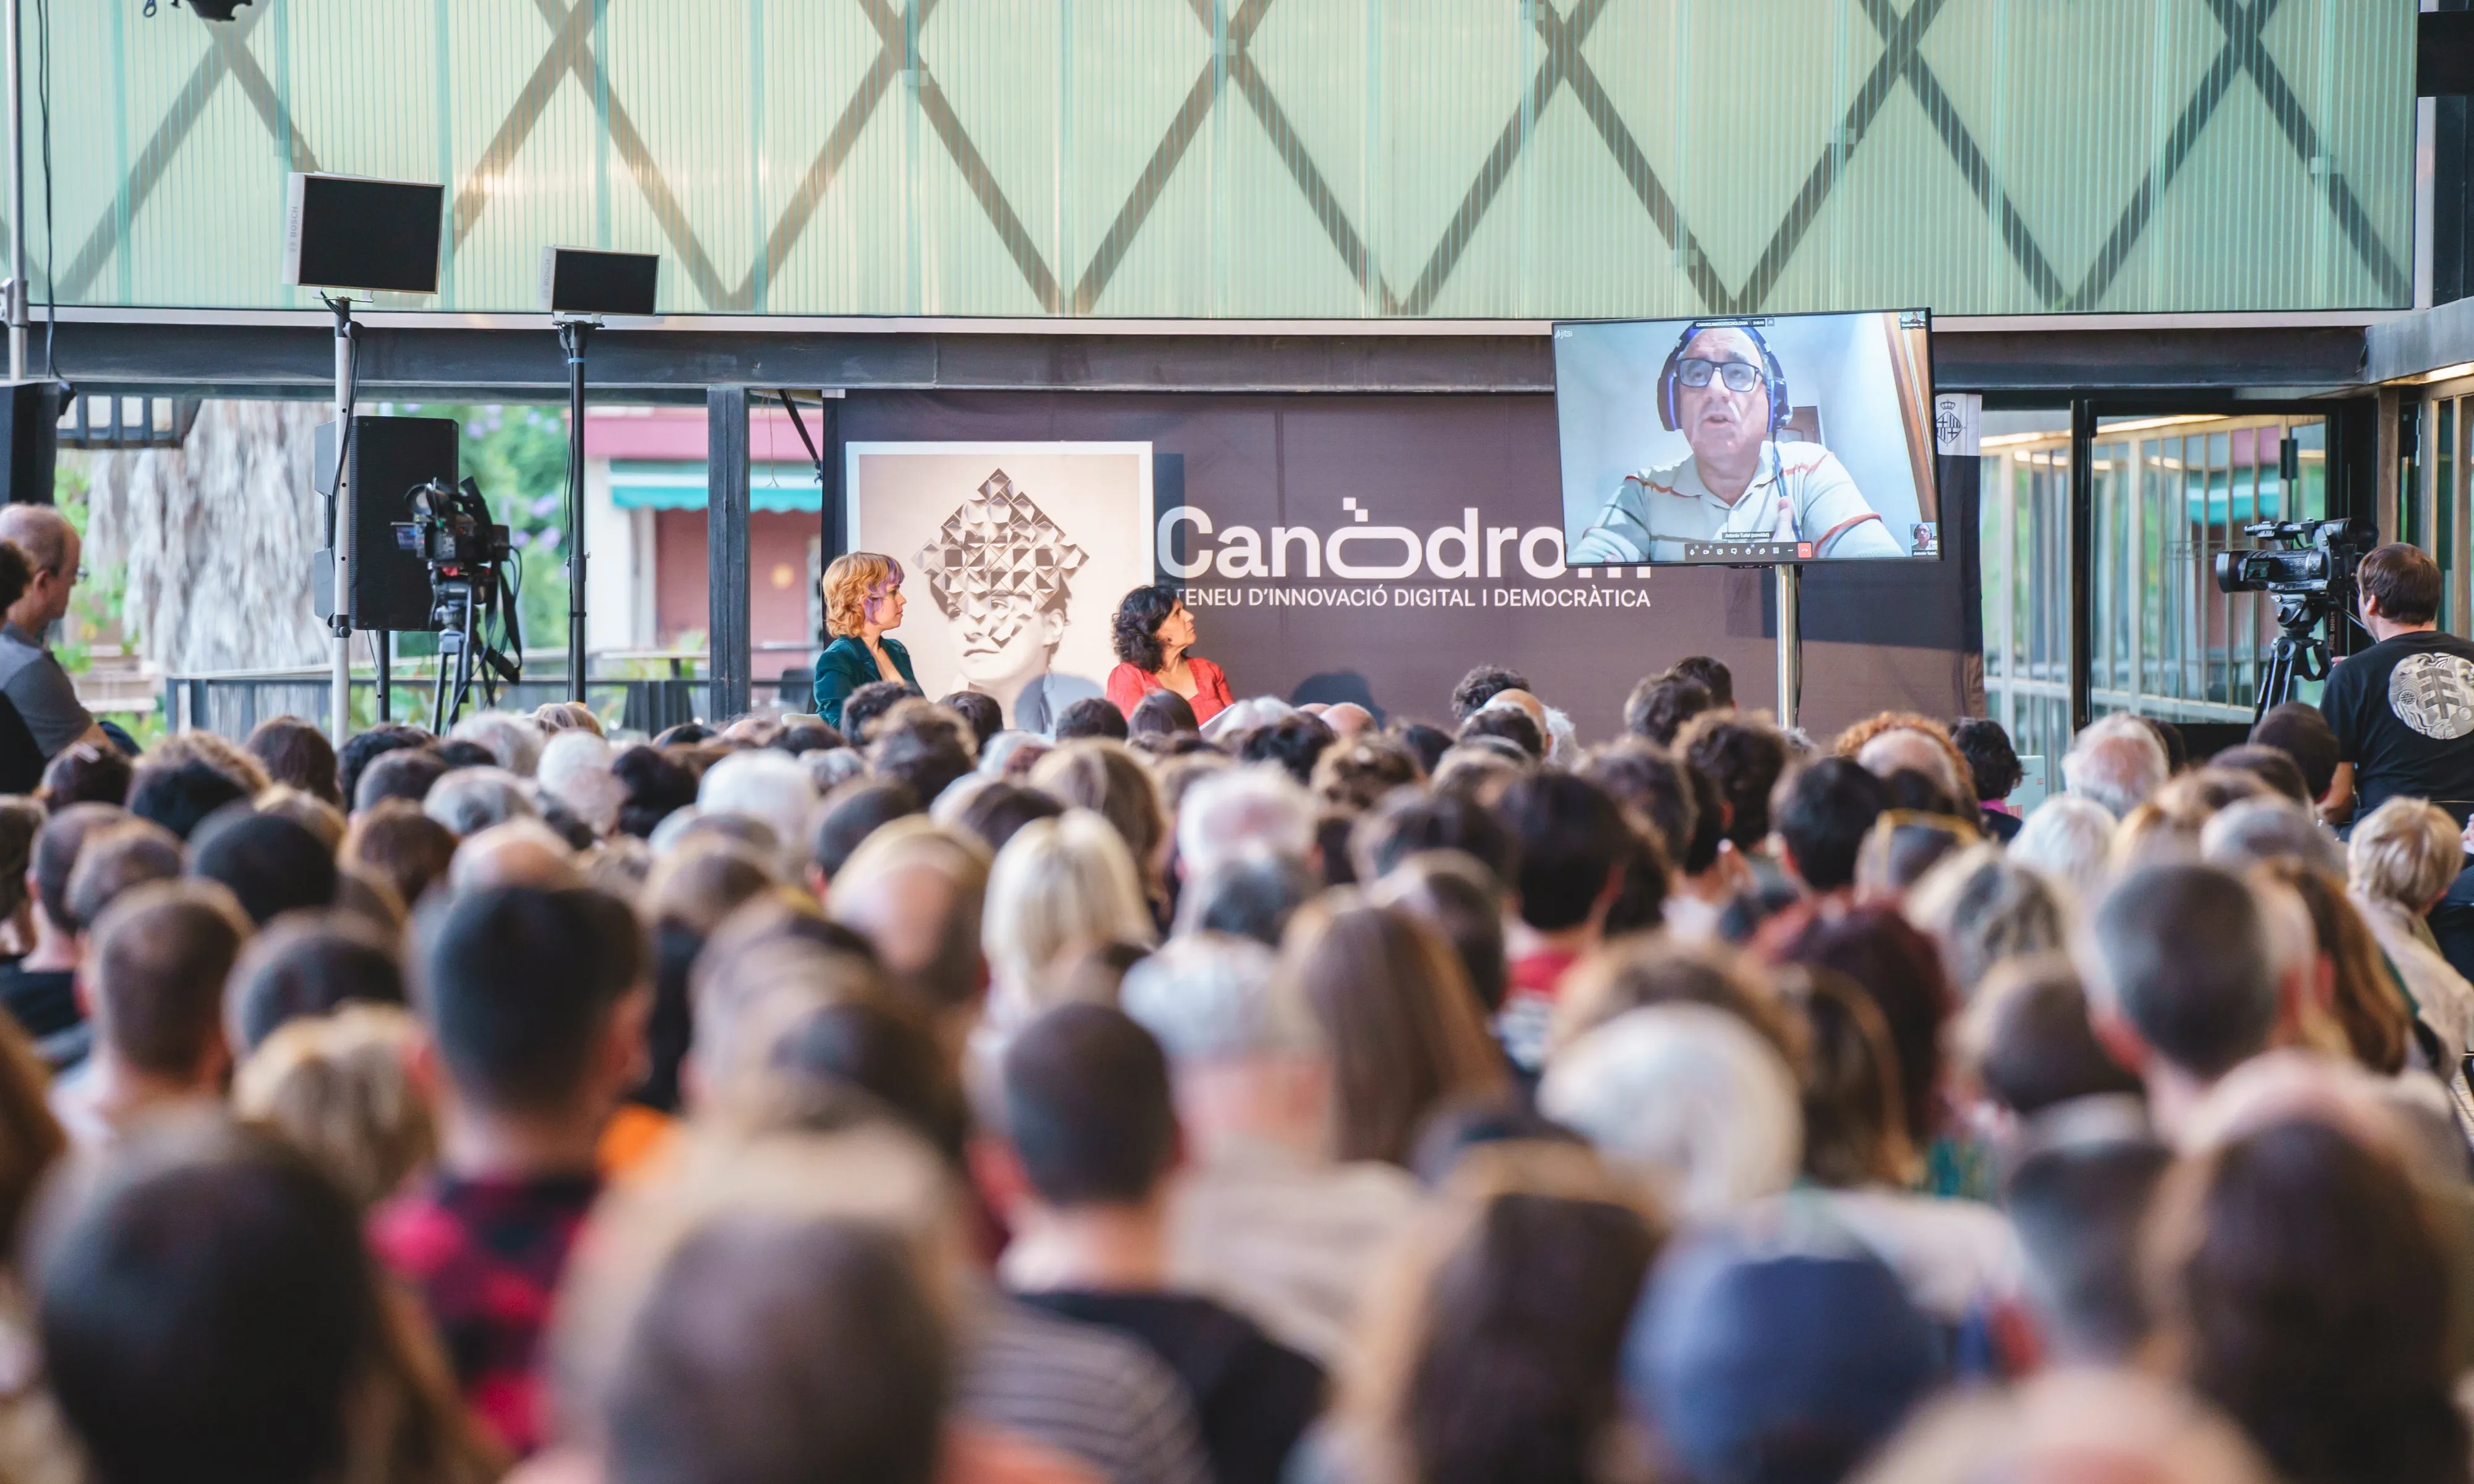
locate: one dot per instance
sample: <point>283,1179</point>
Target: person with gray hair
<point>2184,960</point>
<point>2066,839</point>
<point>1240,810</point>
<point>31,675</point>
<point>1246,716</point>
<point>773,788</point>
<point>1264,1220</point>
<point>830,767</point>
<point>1906,749</point>
<point>1012,754</point>
<point>2254,830</point>
<point>519,852</point>
<point>1981,908</point>
<point>1689,1098</point>
<point>1251,896</point>
<point>514,742</point>
<point>470,799</point>
<point>576,770</point>
<point>2401,861</point>
<point>2116,762</point>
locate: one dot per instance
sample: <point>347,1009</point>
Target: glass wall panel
<point>1312,158</point>
<point>2432,498</point>
<point>2170,495</point>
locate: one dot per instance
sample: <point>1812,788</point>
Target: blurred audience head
<point>2116,764</point>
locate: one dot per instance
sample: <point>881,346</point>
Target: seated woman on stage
<point>862,600</point>
<point>1153,637</point>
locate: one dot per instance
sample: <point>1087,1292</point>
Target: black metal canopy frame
<point>419,357</point>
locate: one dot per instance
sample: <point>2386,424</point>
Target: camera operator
<point>2403,709</point>
<point>2403,712</point>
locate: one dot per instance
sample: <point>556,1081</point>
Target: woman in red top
<point>1153,635</point>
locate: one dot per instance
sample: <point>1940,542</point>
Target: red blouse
<point>1127,686</point>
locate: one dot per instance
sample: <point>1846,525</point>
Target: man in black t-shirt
<point>2403,709</point>
<point>2403,712</point>
<point>1091,1141</point>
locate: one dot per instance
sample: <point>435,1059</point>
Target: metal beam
<point>2328,357</point>
<point>2418,343</point>
<point>456,362</point>
<point>726,551</point>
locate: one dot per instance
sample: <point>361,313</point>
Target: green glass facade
<point>1267,159</point>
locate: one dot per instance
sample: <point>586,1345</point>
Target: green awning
<point>662,484</point>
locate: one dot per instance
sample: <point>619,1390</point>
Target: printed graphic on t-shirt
<point>2433,694</point>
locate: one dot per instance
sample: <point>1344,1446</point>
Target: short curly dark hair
<point>1712,675</point>
<point>1744,757</point>
<point>1136,634</point>
<point>1483,685</point>
<point>1659,706</point>
<point>1989,754</point>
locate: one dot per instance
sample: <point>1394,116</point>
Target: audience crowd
<point>1306,1096</point>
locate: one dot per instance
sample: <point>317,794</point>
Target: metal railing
<point>231,703</point>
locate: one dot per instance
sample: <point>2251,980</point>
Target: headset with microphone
<point>1773,383</point>
<point>1773,378</point>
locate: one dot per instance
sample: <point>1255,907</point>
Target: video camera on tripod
<point>471,561</point>
<point>2310,573</point>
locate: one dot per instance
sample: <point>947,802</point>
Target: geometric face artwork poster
<point>1014,557</point>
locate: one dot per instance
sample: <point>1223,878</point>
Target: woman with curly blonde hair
<point>863,593</point>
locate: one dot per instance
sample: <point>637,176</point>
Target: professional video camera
<point>2310,572</point>
<point>472,566</point>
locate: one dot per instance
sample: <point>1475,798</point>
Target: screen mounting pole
<point>340,700</point>
<point>16,289</point>
<point>1790,658</point>
<point>571,333</point>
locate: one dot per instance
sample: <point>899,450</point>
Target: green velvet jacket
<point>846,666</point>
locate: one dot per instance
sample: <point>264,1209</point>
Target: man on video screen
<point>1722,389</point>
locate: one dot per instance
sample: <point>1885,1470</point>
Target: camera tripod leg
<point>463,666</point>
<point>438,697</point>
<point>2284,666</point>
<point>454,680</point>
<point>2268,677</point>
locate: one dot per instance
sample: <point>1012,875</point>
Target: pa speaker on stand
<point>389,587</point>
<point>29,428</point>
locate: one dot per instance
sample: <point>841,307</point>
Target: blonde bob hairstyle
<point>850,584</point>
<point>2406,852</point>
<point>1060,888</point>
<point>340,1088</point>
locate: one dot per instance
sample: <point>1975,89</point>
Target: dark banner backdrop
<point>1373,548</point>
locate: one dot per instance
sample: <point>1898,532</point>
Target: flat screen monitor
<point>1748,440</point>
<point>349,232</point>
<point>580,280</point>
